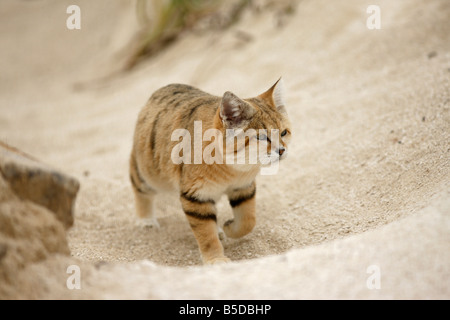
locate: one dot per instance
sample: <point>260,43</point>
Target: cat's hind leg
<point>143,198</point>
<point>144,208</point>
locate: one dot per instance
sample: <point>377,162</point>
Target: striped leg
<point>201,215</point>
<point>243,203</point>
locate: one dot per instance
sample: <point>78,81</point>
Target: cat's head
<point>261,121</point>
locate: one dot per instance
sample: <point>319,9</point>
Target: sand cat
<point>201,183</point>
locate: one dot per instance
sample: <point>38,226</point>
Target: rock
<point>36,182</point>
<point>35,209</point>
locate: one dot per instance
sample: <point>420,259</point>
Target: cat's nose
<point>281,151</point>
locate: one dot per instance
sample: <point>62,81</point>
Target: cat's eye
<point>262,137</point>
<point>284,133</point>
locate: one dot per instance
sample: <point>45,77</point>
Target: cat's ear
<point>234,112</point>
<point>276,96</point>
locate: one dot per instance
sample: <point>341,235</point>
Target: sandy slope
<point>410,255</point>
<point>370,114</point>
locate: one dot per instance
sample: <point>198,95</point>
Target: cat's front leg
<point>243,203</point>
<point>201,215</point>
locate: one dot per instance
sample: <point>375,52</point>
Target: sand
<point>369,108</point>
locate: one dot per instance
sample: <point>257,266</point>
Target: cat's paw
<point>217,261</point>
<point>148,223</point>
<point>221,234</point>
<point>237,229</point>
<point>227,229</point>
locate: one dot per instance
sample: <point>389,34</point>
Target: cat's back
<point>175,89</point>
<point>170,108</point>
<point>178,97</point>
<point>177,106</point>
